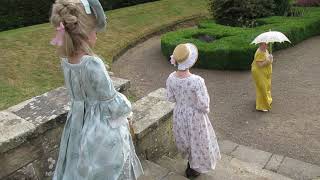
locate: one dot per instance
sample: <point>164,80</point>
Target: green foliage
<point>282,7</point>
<point>296,11</point>
<point>231,49</point>
<point>20,13</point>
<point>239,12</point>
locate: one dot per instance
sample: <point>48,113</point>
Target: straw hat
<point>185,55</point>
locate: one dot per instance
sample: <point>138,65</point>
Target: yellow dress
<point>262,78</point>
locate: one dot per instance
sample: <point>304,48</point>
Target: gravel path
<point>292,128</point>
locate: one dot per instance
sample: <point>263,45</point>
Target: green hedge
<point>20,13</point>
<point>232,50</point>
<point>240,12</point>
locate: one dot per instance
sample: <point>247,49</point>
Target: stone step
<point>279,164</point>
<point>153,171</point>
<point>228,168</point>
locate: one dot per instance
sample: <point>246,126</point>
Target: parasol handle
<point>270,48</point>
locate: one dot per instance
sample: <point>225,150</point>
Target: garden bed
<point>231,48</point>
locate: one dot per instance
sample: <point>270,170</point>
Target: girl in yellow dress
<point>261,70</point>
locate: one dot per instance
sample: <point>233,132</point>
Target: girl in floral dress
<point>96,143</point>
<point>193,132</point>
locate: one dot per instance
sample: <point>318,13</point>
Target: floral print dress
<point>194,134</point>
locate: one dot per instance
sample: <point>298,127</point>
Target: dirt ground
<point>292,128</point>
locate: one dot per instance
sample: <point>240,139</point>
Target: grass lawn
<point>29,66</point>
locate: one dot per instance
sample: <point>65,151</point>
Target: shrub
<point>239,12</point>
<point>296,11</point>
<point>231,48</point>
<point>19,13</point>
<point>308,3</point>
<point>282,7</point>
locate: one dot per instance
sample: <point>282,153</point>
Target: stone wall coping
<point>150,111</point>
<point>37,115</point>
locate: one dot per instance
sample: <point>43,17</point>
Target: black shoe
<point>191,173</point>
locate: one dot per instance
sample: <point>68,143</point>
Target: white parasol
<point>270,37</point>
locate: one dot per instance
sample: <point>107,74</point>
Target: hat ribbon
<point>86,6</point>
<point>173,61</point>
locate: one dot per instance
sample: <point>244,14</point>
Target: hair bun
<point>70,19</point>
<point>69,13</point>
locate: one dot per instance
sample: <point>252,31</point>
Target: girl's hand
<point>130,118</point>
<point>131,130</point>
<point>270,58</point>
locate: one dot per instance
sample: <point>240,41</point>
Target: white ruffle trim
<point>192,58</point>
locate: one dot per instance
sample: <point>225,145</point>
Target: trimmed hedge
<point>231,49</point>
<point>20,13</point>
<point>282,7</point>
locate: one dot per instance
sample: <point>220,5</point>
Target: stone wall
<point>153,126</point>
<point>30,132</point>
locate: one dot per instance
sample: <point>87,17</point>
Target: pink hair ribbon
<point>58,39</point>
<point>173,61</point>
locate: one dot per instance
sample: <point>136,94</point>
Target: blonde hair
<point>78,25</point>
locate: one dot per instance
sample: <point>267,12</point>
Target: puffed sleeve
<point>203,99</point>
<point>99,79</point>
<point>119,107</point>
<point>169,92</point>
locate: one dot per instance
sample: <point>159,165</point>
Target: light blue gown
<point>96,143</point>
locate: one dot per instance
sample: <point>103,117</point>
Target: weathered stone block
<point>157,143</point>
<point>46,110</point>
<point>159,94</point>
<point>18,158</point>
<point>256,170</point>
<point>120,84</point>
<point>153,171</point>
<point>43,111</point>
<point>25,173</point>
<point>13,131</point>
<point>299,170</point>
<point>250,155</point>
<point>45,166</point>
<point>274,162</point>
<point>152,126</point>
<point>227,147</point>
<point>37,150</point>
<point>157,113</point>
<point>174,176</point>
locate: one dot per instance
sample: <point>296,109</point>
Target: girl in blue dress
<point>96,143</point>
